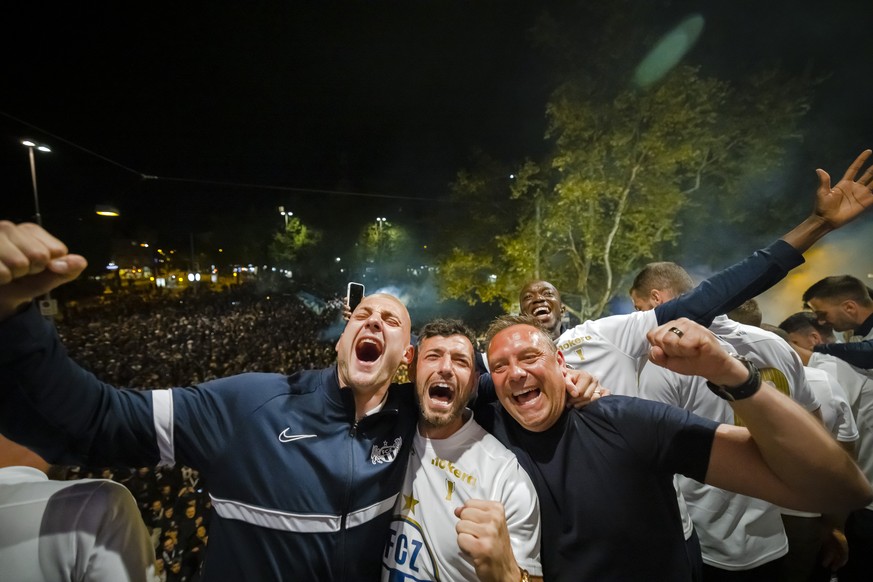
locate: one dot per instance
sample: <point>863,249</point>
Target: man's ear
<point>850,308</point>
<point>407,354</point>
<point>657,296</point>
<point>559,356</point>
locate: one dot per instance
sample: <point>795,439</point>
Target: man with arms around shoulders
<point>617,456</point>
<point>463,489</point>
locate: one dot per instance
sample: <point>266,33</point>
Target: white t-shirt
<point>84,530</point>
<point>767,350</point>
<point>836,413</point>
<point>859,393</point>
<point>443,474</point>
<point>612,349</point>
<point>736,532</point>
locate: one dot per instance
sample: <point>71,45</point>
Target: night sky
<point>375,97</point>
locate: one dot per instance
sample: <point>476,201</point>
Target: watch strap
<point>741,391</point>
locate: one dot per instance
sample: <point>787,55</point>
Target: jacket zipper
<point>353,433</point>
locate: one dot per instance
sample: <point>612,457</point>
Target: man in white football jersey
<point>467,510</point>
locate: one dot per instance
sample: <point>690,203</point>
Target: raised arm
<point>783,455</point>
<point>834,207</point>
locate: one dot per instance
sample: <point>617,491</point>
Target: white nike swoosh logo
<point>287,438</point>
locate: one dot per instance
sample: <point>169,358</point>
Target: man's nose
<point>516,372</point>
<point>374,322</point>
<point>445,365</point>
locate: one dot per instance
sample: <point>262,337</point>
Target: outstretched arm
<point>729,288</point>
<point>783,456</point>
<point>859,354</point>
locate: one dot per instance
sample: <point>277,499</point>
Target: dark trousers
<point>859,534</point>
<point>802,563</point>
<point>763,573</point>
<point>695,558</point>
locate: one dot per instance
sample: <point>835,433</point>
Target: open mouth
<point>441,394</point>
<point>368,350</point>
<point>541,312</point>
<point>526,396</point>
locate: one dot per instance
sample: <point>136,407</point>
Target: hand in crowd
<point>835,550</point>
<point>848,198</point>
<point>32,263</point>
<point>483,535</point>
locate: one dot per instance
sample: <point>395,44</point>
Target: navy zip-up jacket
<point>300,491</point>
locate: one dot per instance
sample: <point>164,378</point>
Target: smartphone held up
<point>354,294</point>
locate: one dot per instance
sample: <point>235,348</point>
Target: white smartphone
<point>354,294</point>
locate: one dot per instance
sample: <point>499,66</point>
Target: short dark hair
<point>748,313</point>
<point>662,275</point>
<point>839,287</point>
<point>443,328</point>
<point>506,321</point>
<point>804,322</point>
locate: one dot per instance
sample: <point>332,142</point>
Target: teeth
<point>520,392</point>
<point>541,311</point>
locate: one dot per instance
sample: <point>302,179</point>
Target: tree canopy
<point>622,163</point>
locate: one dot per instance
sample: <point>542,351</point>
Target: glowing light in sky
<point>668,51</point>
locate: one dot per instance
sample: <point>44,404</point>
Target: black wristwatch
<point>744,390</point>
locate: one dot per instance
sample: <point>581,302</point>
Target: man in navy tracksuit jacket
<point>304,469</point>
<point>301,482</point>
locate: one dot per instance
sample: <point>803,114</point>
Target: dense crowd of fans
<point>159,341</point>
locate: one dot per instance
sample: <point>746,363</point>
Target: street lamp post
<point>47,306</point>
<point>30,147</point>
<point>287,215</point>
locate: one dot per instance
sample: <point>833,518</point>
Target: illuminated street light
<point>30,147</point>
<point>285,214</point>
<point>107,210</point>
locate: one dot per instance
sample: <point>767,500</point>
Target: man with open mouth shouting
<point>304,470</point>
<point>467,510</point>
